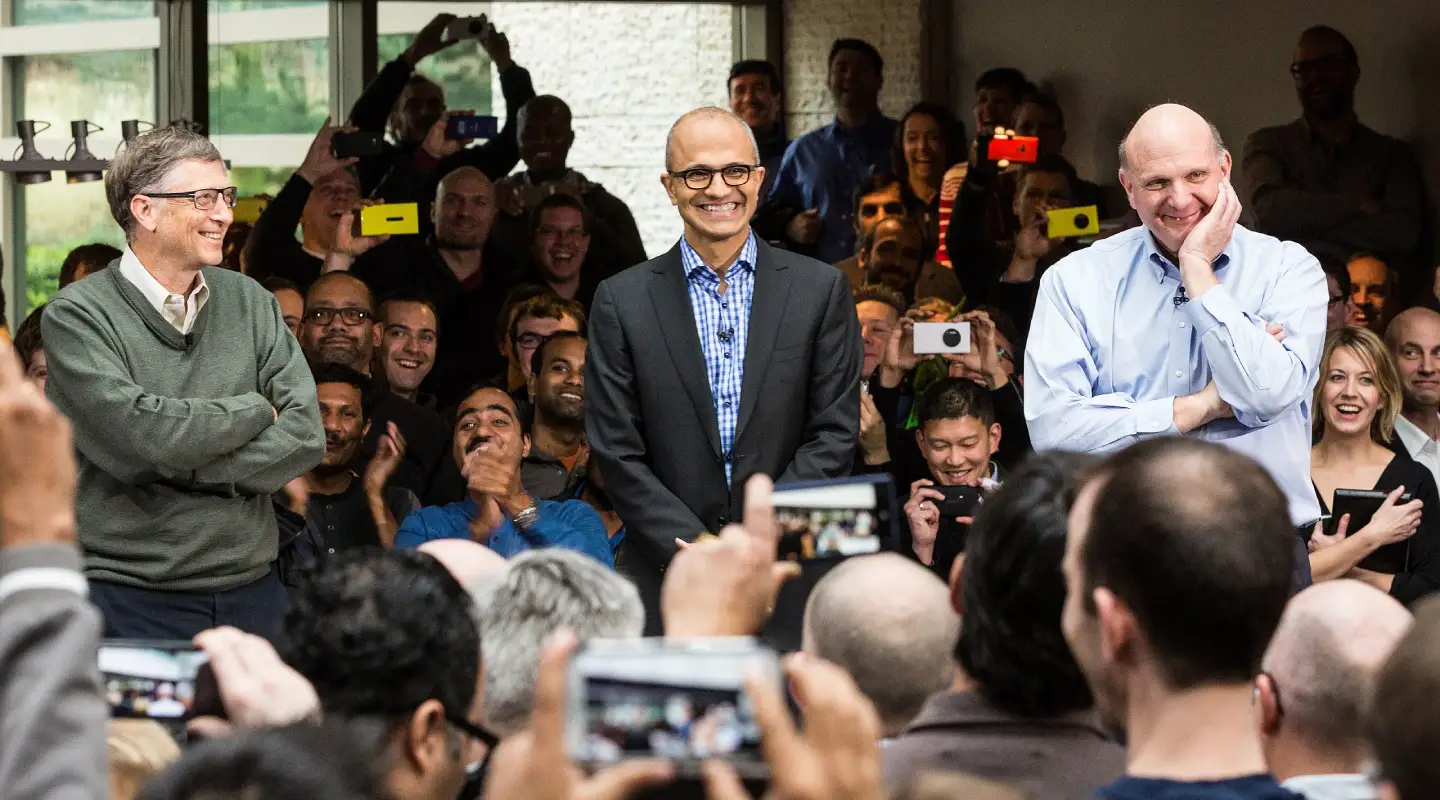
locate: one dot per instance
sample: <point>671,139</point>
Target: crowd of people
<point>1198,565</point>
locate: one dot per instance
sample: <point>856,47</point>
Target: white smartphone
<point>942,337</point>
<point>678,699</point>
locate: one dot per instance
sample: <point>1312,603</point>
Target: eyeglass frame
<point>230,193</point>
<point>711,173</point>
<point>312,315</point>
<point>477,732</point>
<point>1321,64</point>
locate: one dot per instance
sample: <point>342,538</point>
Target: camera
<point>1078,221</point>
<point>471,127</point>
<point>942,337</point>
<point>467,28</point>
<point>357,144</point>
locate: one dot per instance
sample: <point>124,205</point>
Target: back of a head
<point>379,632</point>
<point>138,750</point>
<point>1013,591</point>
<point>337,760</point>
<point>1195,539</point>
<point>85,259</point>
<point>930,785</point>
<point>521,606</point>
<point>1403,719</point>
<point>888,622</point>
<point>1332,639</point>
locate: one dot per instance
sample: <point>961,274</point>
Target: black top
<point>272,248</point>
<point>427,443</point>
<point>343,522</point>
<point>1423,575</point>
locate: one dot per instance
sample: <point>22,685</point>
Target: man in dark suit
<point>720,359</point>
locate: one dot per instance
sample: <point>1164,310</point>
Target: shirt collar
<point>875,125</point>
<point>135,272</point>
<point>1159,262</point>
<point>695,266</point>
<point>1414,439</point>
<point>1341,786</point>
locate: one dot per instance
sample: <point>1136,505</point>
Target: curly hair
<point>378,632</point>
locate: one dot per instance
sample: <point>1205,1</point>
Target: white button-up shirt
<point>177,309</point>
<point>1419,445</point>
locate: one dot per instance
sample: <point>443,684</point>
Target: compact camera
<point>942,337</point>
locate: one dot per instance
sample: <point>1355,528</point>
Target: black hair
<point>754,66</point>
<point>412,297</point>
<point>1008,78</point>
<point>1337,269</point>
<point>517,295</point>
<point>334,276</point>
<point>1345,44</point>
<point>867,239</point>
<point>1005,324</point>
<point>871,184</point>
<point>1047,102</point>
<point>334,760</point>
<point>1010,641</point>
<point>954,398</point>
<point>93,257</point>
<point>1196,540</point>
<point>275,283</point>
<point>558,200</point>
<point>339,373</point>
<point>860,46</point>
<point>537,359</point>
<point>952,136</point>
<point>379,632</point>
<point>879,293</point>
<point>27,337</point>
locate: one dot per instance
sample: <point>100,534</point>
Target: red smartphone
<point>1023,149</point>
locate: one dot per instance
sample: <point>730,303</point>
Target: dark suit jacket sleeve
<point>274,231</point>
<point>1014,435</point>
<point>1424,575</point>
<point>832,429</point>
<point>613,425</point>
<point>52,706</point>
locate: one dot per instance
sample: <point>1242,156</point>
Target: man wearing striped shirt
<point>721,359</point>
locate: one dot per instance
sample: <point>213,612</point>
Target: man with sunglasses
<point>720,359</point>
<point>1327,181</point>
<point>191,404</point>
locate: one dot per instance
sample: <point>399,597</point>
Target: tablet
<point>1361,505</point>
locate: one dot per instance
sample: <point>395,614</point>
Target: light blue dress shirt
<point>1110,350</point>
<point>723,322</point>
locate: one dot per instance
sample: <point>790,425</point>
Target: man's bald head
<point>1164,127</point>
<point>1331,641</point>
<point>1408,321</point>
<point>887,621</point>
<point>468,561</point>
<point>1413,337</point>
<point>703,124</point>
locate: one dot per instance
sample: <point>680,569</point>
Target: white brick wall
<point>627,70</point>
<point>811,26</point>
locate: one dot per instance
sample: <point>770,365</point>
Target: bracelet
<point>526,516</point>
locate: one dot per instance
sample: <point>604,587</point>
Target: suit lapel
<point>671,298</point>
<point>767,309</point>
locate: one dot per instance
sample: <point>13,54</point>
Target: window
<point>50,12</point>
<point>104,88</point>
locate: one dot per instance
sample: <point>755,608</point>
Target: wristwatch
<point>526,517</point>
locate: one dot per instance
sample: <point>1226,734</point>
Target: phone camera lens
<point>951,337</point>
<point>1082,220</point>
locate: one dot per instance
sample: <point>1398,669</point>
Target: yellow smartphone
<point>395,219</point>
<point>249,209</point>
<point>1078,221</point>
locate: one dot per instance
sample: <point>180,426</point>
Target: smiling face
<point>1350,397</point>
<point>559,386</point>
<point>1324,75</point>
<point>343,419</point>
<point>896,254</point>
<point>408,344</point>
<point>958,450</point>
<point>545,134</point>
<point>560,244</point>
<point>530,332</point>
<point>464,209</point>
<point>487,421</point>
<point>923,148</point>
<point>330,197</point>
<point>175,227</point>
<point>1173,172</point>
<point>853,81</point>
<point>1370,290</point>
<point>1415,341</point>
<point>994,105</point>
<point>754,100</point>
<point>712,141</point>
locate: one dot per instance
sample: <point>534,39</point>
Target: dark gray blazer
<point>650,415</point>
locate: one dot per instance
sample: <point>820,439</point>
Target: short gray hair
<point>711,111</point>
<point>888,622</point>
<point>518,608</point>
<point>145,162</point>
<point>1219,140</point>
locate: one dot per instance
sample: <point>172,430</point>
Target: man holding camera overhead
<point>1190,324</point>
<point>720,359</point>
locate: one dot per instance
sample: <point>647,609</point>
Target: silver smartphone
<point>942,337</point>
<point>680,700</point>
<point>467,28</point>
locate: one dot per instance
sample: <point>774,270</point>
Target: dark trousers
<point>130,613</point>
<point>1301,577</point>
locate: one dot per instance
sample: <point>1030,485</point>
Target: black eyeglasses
<point>1322,64</point>
<point>476,732</point>
<point>204,199</point>
<point>529,340</point>
<point>701,177</point>
<point>351,316</point>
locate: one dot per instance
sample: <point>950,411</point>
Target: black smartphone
<point>357,144</point>
<point>472,127</point>
<point>151,680</point>
<point>1361,505</point>
<point>835,519</point>
<point>960,501</point>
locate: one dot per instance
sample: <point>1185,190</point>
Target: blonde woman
<point>139,750</point>
<point>1354,407</point>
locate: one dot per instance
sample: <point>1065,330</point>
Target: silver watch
<point>526,517</point>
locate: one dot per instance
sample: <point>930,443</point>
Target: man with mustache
<point>721,359</point>
<point>1327,181</point>
<point>498,511</point>
<point>554,468</point>
<point>878,202</point>
<point>340,328</point>
<point>1189,324</point>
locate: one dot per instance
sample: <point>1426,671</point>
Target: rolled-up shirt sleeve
<point>1061,408</point>
<point>1258,376</point>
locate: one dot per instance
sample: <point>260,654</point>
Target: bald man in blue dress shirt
<point>1190,324</point>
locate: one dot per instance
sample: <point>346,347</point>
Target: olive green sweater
<point>177,439</point>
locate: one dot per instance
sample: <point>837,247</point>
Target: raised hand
<point>320,159</point>
<point>430,40</point>
<point>37,463</point>
<point>389,454</point>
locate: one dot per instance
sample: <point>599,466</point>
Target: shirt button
<point>332,551</point>
<point>727,403</point>
<point>1178,373</point>
<point>1182,324</point>
<point>727,355</point>
<point>724,305</point>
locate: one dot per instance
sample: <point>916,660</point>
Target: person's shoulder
<point>1270,249</point>
<point>625,282</point>
<point>809,270</point>
<point>407,413</point>
<point>98,286</point>
<point>437,522</point>
<point>571,509</point>
<point>1274,134</point>
<point>1101,262</point>
<point>225,281</point>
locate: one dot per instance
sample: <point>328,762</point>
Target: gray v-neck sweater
<point>177,439</point>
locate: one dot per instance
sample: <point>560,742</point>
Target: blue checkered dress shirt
<point>723,323</point>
